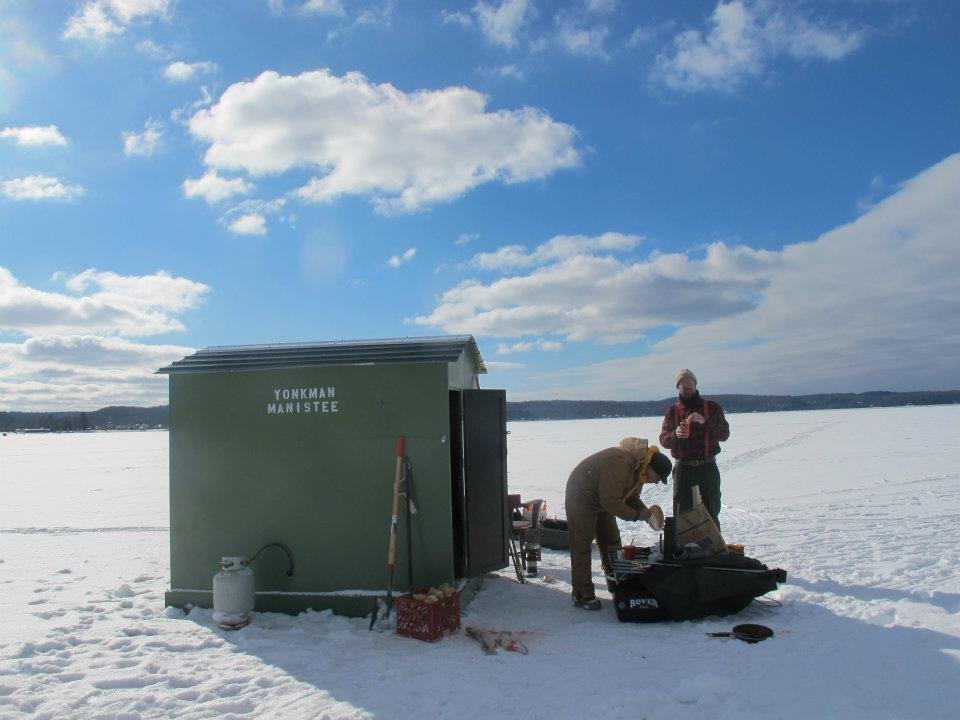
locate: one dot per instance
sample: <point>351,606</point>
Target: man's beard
<point>692,400</point>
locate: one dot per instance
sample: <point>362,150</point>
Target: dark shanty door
<point>483,440</point>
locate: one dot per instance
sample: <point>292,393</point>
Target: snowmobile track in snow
<point>748,457</point>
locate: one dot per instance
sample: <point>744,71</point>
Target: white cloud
<point>250,216</point>
<point>323,7</point>
<point>640,36</point>
<point>502,23</point>
<point>102,302</point>
<point>76,354</point>
<point>529,346</point>
<point>406,150</point>
<point>52,393</point>
<point>92,22</point>
<point>34,135</point>
<point>396,261</point>
<point>248,224</point>
<point>743,38</point>
<point>83,372</point>
<point>600,297</point>
<point>464,238</point>
<point>204,101</point>
<point>376,16</point>
<point>802,40</point>
<point>151,49</point>
<point>449,17</point>
<point>180,71</point>
<point>264,207</point>
<point>39,187</point>
<point>159,291</point>
<point>583,41</point>
<point>602,6</point>
<point>213,188</point>
<point>501,366</point>
<point>99,21</point>
<point>129,11</point>
<point>510,71</point>
<point>90,351</point>
<point>561,246</point>
<point>370,16</point>
<point>868,305</point>
<point>143,144</point>
<point>876,189</point>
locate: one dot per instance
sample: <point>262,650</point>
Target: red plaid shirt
<point>704,441</point>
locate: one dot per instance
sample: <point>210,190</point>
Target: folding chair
<point>526,522</point>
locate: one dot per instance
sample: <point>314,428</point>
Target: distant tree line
<point>108,418</point>
<point>590,409</point>
<point>145,418</point>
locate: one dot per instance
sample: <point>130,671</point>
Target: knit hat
<point>661,466</point>
<point>685,373</point>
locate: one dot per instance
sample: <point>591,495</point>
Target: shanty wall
<point>305,456</point>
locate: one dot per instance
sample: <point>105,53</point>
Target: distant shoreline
<point>156,418</point>
<point>594,409</point>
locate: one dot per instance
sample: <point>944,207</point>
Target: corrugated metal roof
<point>337,352</point>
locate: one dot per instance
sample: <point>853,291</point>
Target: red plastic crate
<point>427,621</point>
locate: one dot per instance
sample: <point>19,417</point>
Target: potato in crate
<point>428,614</point>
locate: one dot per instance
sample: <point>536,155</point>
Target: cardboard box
<point>696,526</point>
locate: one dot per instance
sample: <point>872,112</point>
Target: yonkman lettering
<point>305,400</point>
<point>302,393</point>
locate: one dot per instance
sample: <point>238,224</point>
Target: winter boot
<point>587,604</point>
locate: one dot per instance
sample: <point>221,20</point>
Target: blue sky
<point>601,191</point>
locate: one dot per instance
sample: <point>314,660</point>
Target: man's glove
<point>656,518</point>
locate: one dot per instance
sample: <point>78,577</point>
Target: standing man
<point>693,429</point>
<point>603,486</point>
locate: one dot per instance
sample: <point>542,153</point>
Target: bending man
<point>604,486</point>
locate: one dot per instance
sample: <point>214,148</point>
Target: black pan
<point>748,632</point>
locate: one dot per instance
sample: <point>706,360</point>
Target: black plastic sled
<point>689,589</point>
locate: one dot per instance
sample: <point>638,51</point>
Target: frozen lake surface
<point>859,506</point>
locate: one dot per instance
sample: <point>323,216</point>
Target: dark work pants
<point>707,478</point>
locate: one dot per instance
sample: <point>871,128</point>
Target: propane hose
<point>283,547</point>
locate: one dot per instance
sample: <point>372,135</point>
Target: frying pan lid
<point>752,631</point>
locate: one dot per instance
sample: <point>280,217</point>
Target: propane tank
<point>233,597</point>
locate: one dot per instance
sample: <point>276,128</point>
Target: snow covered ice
<point>859,506</point>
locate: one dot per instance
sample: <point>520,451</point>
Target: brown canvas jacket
<point>608,481</point>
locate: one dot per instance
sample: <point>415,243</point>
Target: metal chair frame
<point>523,539</point>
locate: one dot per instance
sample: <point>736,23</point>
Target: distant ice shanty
<point>295,444</point>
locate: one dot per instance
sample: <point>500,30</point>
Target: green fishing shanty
<point>295,444</point>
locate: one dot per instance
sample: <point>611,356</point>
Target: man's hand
<point>697,418</point>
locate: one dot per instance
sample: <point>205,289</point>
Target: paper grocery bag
<point>697,526</point>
